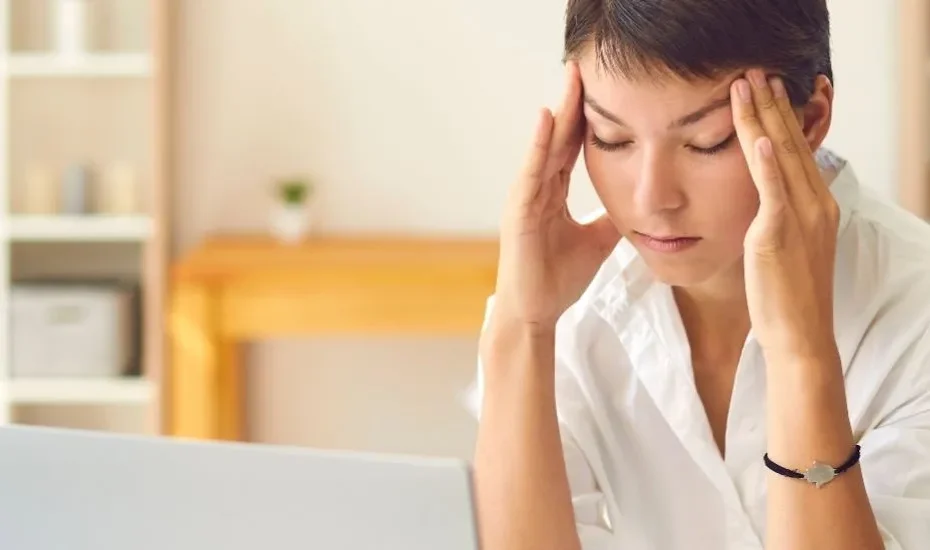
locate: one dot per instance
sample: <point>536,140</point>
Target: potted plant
<point>291,218</point>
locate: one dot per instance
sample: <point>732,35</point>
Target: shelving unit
<point>80,228</point>
<point>74,391</point>
<point>100,65</point>
<point>107,104</point>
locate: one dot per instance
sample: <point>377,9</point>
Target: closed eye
<point>606,146</point>
<point>713,150</point>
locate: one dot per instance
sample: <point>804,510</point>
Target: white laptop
<point>77,490</point>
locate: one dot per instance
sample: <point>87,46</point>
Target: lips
<point>667,243</point>
<point>666,238</point>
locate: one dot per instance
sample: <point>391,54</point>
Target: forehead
<point>661,93</point>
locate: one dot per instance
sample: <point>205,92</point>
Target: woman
<point>700,366</point>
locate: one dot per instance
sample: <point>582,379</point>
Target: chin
<point>680,277</point>
<point>688,270</point>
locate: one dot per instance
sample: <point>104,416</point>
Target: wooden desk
<point>236,289</point>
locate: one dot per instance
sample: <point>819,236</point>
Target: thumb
<point>602,232</point>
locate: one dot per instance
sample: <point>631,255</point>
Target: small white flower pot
<point>290,223</point>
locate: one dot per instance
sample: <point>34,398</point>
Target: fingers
<point>748,128</point>
<point>797,134</point>
<point>788,151</point>
<point>566,172</point>
<point>771,185</point>
<point>535,164</point>
<point>556,145</point>
<point>574,149</point>
<point>758,149</point>
<point>568,127</point>
<point>603,233</point>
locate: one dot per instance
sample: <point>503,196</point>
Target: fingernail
<point>778,88</point>
<point>765,147</point>
<point>742,89</point>
<point>758,79</point>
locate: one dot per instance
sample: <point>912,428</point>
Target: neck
<point>715,316</point>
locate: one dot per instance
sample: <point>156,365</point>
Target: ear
<point>815,117</point>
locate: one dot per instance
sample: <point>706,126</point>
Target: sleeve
<point>587,499</point>
<point>896,457</point>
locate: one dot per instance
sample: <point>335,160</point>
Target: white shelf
<point>36,65</point>
<point>133,65</point>
<point>80,391</point>
<point>90,228</point>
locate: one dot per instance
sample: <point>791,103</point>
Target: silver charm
<point>819,474</point>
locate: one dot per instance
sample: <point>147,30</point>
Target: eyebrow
<point>686,120</point>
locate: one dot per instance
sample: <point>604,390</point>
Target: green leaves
<point>295,191</point>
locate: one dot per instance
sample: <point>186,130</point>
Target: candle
<point>40,195</point>
<point>118,190</point>
<point>70,26</point>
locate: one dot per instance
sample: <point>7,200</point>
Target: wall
<point>412,116</point>
<point>864,127</point>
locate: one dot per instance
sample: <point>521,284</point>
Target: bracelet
<point>819,474</point>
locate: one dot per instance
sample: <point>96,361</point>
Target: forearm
<point>523,496</point>
<point>807,421</point>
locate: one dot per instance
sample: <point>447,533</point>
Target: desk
<point>236,289</point>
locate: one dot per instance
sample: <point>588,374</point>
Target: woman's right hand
<point>547,259</point>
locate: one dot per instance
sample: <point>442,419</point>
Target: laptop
<point>85,490</point>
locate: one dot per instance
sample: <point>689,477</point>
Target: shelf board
<point>40,65</point>
<point>90,228</point>
<point>65,391</point>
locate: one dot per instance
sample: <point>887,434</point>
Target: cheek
<point>614,181</point>
<point>727,214</point>
<point>735,201</point>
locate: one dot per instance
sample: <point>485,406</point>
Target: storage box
<point>72,329</point>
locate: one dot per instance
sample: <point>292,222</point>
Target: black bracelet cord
<point>779,469</point>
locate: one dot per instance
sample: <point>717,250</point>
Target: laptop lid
<point>99,491</point>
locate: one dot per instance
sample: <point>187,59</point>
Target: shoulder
<point>882,303</point>
<point>883,260</point>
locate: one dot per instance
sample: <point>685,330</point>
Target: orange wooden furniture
<point>236,289</point>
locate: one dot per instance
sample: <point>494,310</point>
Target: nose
<point>657,190</point>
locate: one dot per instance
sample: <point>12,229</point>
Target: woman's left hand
<point>791,244</point>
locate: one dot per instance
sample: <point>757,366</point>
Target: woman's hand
<point>547,259</point>
<point>790,253</point>
<point>791,245</point>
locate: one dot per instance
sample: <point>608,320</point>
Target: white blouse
<point>643,467</point>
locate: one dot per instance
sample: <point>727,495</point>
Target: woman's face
<point>665,161</point>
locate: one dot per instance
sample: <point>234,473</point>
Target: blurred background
<point>274,221</point>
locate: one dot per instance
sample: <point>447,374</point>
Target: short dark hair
<point>702,38</point>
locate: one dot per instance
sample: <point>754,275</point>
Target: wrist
<point>505,332</point>
<point>806,407</point>
<point>796,381</point>
<point>506,325</point>
<point>818,357</point>
<point>507,338</point>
